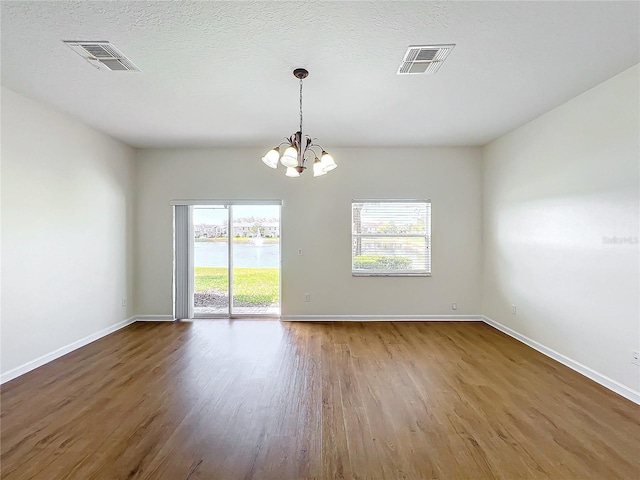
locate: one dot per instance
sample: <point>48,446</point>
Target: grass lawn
<point>251,285</point>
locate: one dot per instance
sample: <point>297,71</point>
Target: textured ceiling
<point>219,73</point>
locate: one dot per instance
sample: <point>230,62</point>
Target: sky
<point>213,215</point>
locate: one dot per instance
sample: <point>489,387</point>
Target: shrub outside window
<point>391,237</point>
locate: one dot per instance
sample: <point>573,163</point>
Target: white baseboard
<point>381,318</point>
<point>603,380</point>
<point>154,318</point>
<point>38,362</point>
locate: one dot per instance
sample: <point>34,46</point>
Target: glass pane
<point>256,260</point>
<point>211,261</point>
<point>388,218</point>
<point>380,254</point>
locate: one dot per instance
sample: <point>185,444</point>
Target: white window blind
<point>391,237</point>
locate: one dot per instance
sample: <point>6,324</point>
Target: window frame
<point>393,273</point>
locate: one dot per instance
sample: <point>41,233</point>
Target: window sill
<point>357,274</point>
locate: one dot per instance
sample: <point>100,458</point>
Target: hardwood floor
<point>265,400</point>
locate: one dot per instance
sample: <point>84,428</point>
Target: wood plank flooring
<point>268,400</point>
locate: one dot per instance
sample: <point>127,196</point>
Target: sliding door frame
<point>180,256</point>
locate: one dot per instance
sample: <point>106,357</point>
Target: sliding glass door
<point>211,260</point>
<point>236,259</point>
<point>255,260</point>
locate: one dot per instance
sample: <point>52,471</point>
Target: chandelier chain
<point>300,106</point>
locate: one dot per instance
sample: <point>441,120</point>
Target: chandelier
<point>300,148</point>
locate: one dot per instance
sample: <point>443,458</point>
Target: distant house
<point>242,229</point>
<point>267,229</point>
<point>209,231</point>
<point>270,229</point>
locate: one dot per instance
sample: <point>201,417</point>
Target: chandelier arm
<point>311,148</point>
<point>304,155</point>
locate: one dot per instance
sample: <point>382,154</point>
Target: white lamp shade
<point>271,158</point>
<point>290,158</point>
<point>328,163</point>
<point>292,172</point>
<point>318,168</point>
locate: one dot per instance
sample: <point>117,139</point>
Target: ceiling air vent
<point>102,55</point>
<point>424,59</point>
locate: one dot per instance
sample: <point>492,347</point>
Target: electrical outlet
<point>307,297</point>
<point>300,251</point>
<point>636,358</point>
<point>513,309</point>
<point>454,306</point>
<point>124,301</point>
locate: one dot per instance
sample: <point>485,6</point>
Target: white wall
<point>67,231</point>
<point>555,192</point>
<point>316,216</point>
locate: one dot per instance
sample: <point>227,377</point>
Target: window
<point>391,237</point>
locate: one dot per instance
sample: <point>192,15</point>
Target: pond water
<point>245,255</point>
